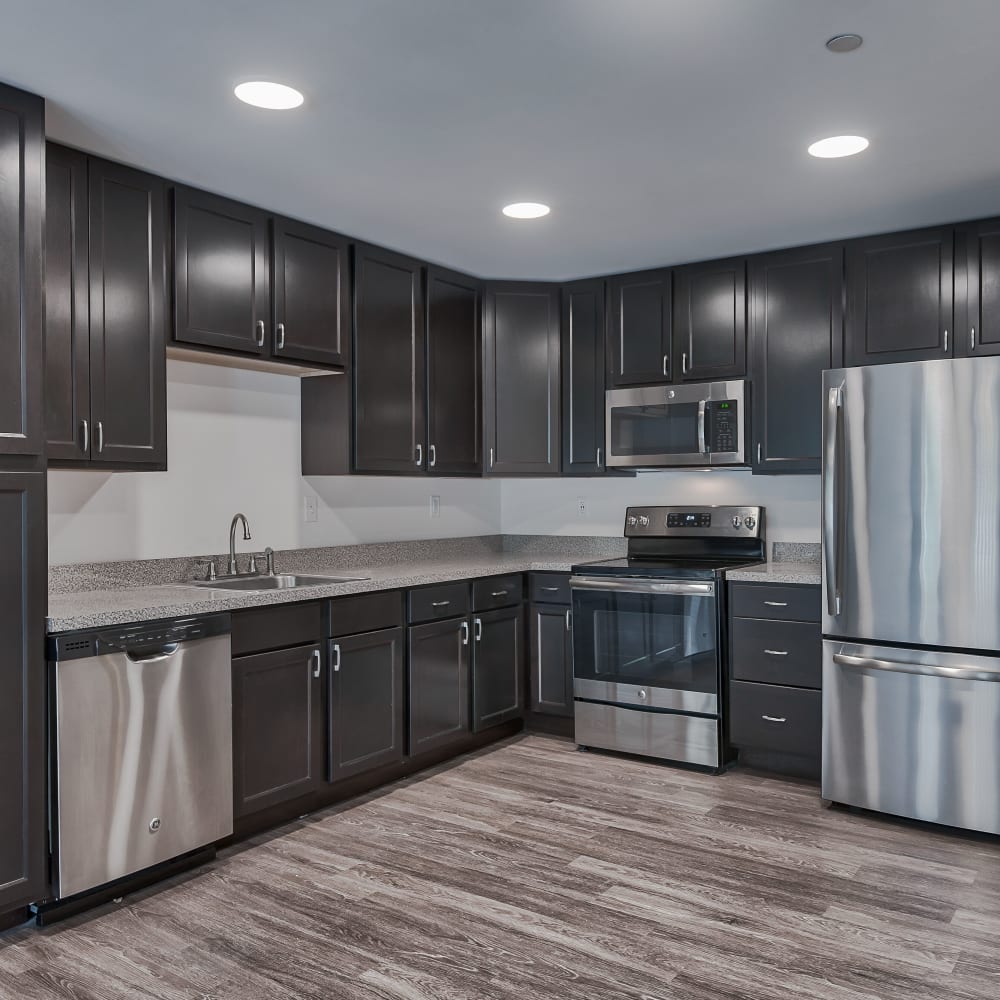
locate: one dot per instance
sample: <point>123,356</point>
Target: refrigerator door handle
<point>929,669</point>
<point>831,534</point>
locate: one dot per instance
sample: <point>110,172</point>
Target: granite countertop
<point>100,608</point>
<point>778,572</point>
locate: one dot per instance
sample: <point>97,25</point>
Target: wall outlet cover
<point>310,509</point>
<point>435,505</point>
<point>581,506</point>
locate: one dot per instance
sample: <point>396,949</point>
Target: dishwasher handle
<point>155,655</point>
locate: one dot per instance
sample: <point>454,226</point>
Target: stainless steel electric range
<point>649,633</point>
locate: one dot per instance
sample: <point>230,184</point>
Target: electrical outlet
<point>310,509</point>
<point>435,506</point>
<point>581,506</point>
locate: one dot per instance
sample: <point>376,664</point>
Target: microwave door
<point>662,433</point>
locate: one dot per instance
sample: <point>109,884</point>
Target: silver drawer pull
<point>772,718</point>
<point>777,604</point>
<point>776,652</point>
<point>440,604</point>
<point>499,593</point>
<point>551,590</point>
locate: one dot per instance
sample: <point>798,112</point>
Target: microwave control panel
<point>723,425</point>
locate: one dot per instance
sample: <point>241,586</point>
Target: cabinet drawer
<point>365,613</point>
<point>447,600</point>
<point>785,601</point>
<point>497,592</point>
<point>260,629</point>
<point>780,719</point>
<point>550,588</point>
<point>777,652</point>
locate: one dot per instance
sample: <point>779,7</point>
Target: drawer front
<point>497,592</point>
<point>258,630</point>
<point>784,601</point>
<point>366,613</point>
<point>776,652</point>
<point>550,588</point>
<point>449,600</point>
<point>780,719</point>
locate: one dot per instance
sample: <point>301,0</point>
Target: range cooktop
<point>681,569</point>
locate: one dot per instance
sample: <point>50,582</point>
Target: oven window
<point>651,640</point>
<point>660,429</point>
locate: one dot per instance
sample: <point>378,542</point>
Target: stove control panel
<point>709,522</point>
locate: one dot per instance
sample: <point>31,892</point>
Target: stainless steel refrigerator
<point>911,590</point>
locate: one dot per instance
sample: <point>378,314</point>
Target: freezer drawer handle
<point>928,669</point>
<point>773,718</point>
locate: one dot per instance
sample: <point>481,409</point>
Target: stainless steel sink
<point>282,581</point>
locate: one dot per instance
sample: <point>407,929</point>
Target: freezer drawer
<point>913,733</point>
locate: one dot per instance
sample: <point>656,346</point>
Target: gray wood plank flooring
<point>533,871</point>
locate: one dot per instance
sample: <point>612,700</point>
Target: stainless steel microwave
<point>655,427</point>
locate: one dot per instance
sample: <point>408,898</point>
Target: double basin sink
<point>280,581</point>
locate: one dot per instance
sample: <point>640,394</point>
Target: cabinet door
<point>497,667</point>
<point>22,690</point>
<point>388,362</point>
<point>221,274</point>
<point>796,331</point>
<point>454,374</point>
<point>128,367</point>
<point>583,367</point>
<point>900,297</point>
<point>312,320</point>
<point>551,660</point>
<point>639,323</point>
<point>522,378</point>
<point>22,213</point>
<point>277,727</point>
<point>710,320</point>
<point>67,309</point>
<point>979,334</point>
<point>366,702</point>
<point>438,683</point>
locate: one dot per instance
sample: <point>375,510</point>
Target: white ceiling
<point>659,131</point>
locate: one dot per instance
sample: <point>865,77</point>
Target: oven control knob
<point>642,694</point>
<point>643,521</point>
<point>750,521</point>
<point>736,521</point>
<point>632,521</point>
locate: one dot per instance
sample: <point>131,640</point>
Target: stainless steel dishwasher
<point>142,752</point>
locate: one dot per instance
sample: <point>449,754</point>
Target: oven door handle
<point>637,586</point>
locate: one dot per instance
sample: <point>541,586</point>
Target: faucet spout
<point>232,570</point>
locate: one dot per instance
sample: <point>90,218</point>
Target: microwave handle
<point>701,426</point>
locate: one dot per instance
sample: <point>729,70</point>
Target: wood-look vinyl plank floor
<point>532,871</point>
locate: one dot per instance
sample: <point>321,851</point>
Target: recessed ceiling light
<point>844,43</point>
<point>264,94</point>
<point>526,210</point>
<point>838,145</point>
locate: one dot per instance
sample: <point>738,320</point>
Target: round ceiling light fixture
<point>526,210</point>
<point>844,43</point>
<point>838,145</point>
<point>265,94</point>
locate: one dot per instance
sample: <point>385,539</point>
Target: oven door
<point>646,643</point>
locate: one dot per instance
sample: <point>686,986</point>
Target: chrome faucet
<point>233,571</point>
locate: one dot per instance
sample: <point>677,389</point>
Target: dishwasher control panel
<point>135,637</point>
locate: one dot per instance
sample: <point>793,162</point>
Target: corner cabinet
<point>639,327</point>
<point>583,378</point>
<point>710,322</point>
<point>522,379</point>
<point>105,328</point>
<point>22,175</point>
<point>796,331</point>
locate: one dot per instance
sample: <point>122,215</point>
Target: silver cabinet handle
<point>336,657</point>
<point>945,341</point>
<point>440,604</point>
<point>972,339</point>
<point>776,652</point>
<point>465,633</point>
<point>479,629</point>
<point>701,426</point>
<point>491,456</point>
<point>280,336</point>
<point>773,718</point>
<point>967,673</point>
<point>433,456</point>
<point>314,659</point>
<point>777,604</point>
<point>569,620</point>
<point>260,333</point>
<point>100,436</point>
<point>684,363</point>
<point>86,436</point>
<point>599,458</point>
<point>758,452</point>
<point>666,365</point>
<point>420,454</point>
<point>831,536</point>
<point>499,593</point>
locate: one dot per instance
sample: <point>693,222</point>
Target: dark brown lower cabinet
<point>551,660</point>
<point>278,745</point>
<point>22,689</point>
<point>497,667</point>
<point>366,702</point>
<point>438,683</point>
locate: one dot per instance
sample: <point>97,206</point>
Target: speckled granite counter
<point>778,572</point>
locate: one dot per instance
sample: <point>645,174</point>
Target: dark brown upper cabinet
<point>639,325</point>
<point>796,331</point>
<point>105,328</point>
<point>900,297</point>
<point>710,320</point>
<point>522,378</point>
<point>454,374</point>
<point>22,213</point>
<point>389,402</point>
<point>978,333</point>
<point>583,368</point>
